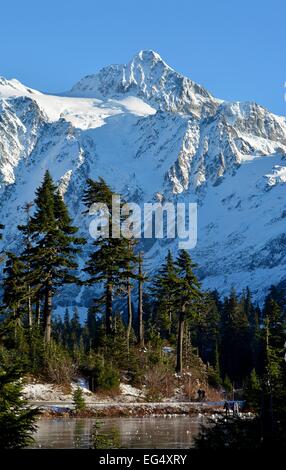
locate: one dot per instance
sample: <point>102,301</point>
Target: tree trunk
<point>180,339</point>
<point>48,312</point>
<point>15,323</point>
<point>108,313</point>
<point>170,321</point>
<point>140,305</point>
<point>38,310</point>
<point>27,208</point>
<point>130,313</point>
<point>30,311</point>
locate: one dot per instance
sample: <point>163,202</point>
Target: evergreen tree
<point>228,385</point>
<point>274,336</point>
<point>102,265</point>
<point>205,326</point>
<point>91,327</point>
<point>163,290</point>
<point>15,289</point>
<point>75,328</point>
<point>214,374</point>
<point>177,292</point>
<point>27,243</point>
<point>232,433</point>
<point>275,323</point>
<point>128,273</point>
<point>117,344</point>
<point>78,400</point>
<point>141,279</point>
<point>187,293</point>
<point>53,246</point>
<point>252,392</point>
<point>17,422</point>
<point>112,261</point>
<point>252,314</point>
<point>236,350</point>
<point>66,335</point>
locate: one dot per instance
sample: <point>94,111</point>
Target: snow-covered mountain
<point>150,131</point>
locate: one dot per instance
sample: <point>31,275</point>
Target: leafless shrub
<point>160,383</point>
<point>191,385</point>
<point>189,388</point>
<point>59,367</point>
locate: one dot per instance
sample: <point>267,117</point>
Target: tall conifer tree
<point>52,249</point>
<point>188,295</point>
<point>112,260</point>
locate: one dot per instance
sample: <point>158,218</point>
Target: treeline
<point>229,335</point>
<point>263,348</point>
<point>134,317</point>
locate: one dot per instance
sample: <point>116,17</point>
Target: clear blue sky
<point>234,48</point>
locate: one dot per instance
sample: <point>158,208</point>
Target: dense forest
<point>152,329</point>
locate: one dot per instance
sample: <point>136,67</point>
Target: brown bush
<point>190,388</point>
<point>160,383</point>
<point>59,367</point>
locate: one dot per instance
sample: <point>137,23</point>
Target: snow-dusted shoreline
<point>37,392</point>
<point>129,401</point>
<point>124,409</point>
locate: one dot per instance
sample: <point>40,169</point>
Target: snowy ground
<point>46,392</point>
<point>130,400</point>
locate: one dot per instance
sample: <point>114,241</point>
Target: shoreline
<point>135,409</point>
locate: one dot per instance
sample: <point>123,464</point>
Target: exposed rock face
<point>148,77</point>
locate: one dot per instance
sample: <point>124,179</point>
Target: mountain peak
<point>149,56</point>
<point>148,77</point>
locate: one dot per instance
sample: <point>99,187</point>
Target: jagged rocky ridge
<point>153,133</point>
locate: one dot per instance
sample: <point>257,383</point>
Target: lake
<point>158,432</point>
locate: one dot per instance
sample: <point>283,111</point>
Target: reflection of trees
<point>105,439</point>
<point>79,433</point>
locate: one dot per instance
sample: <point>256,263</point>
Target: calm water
<point>149,432</point>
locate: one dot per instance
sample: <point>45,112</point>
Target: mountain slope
<point>152,133</point>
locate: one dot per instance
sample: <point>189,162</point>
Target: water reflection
<point>149,432</point>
